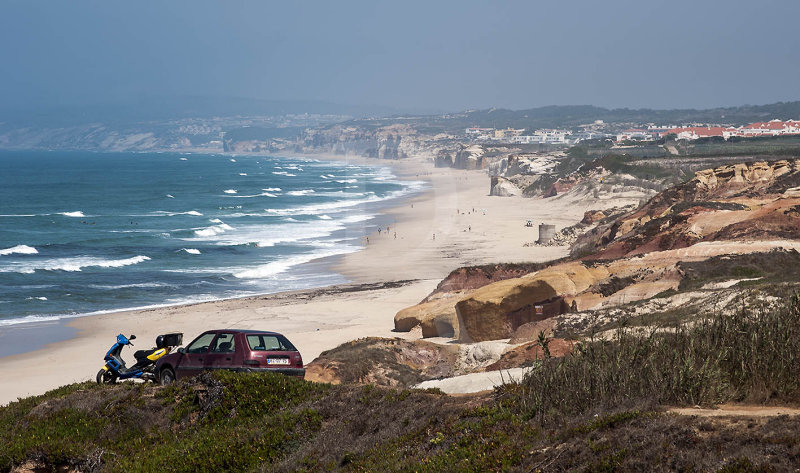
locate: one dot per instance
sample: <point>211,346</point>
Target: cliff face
<point>502,187</point>
<point>396,141</point>
<point>731,210</point>
<point>755,200</point>
<point>502,160</point>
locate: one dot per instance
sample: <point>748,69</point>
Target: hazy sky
<point>449,55</point>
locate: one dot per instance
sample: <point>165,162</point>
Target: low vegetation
<point>747,355</point>
<point>598,409</point>
<point>774,266</point>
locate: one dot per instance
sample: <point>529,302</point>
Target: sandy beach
<point>454,223</point>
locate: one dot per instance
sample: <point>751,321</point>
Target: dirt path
<point>733,410</point>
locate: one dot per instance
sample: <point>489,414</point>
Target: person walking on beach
<point>434,236</point>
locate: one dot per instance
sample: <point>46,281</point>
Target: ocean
<point>84,233</point>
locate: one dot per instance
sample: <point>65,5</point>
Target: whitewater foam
<point>280,266</point>
<point>164,213</point>
<point>263,194</point>
<point>141,285</point>
<point>302,192</point>
<point>76,213</point>
<point>71,264</point>
<point>19,250</point>
<point>277,233</point>
<point>230,191</point>
<point>329,207</point>
<point>213,230</point>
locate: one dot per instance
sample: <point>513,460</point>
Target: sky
<point>410,55</point>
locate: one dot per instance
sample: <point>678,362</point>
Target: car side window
<point>201,344</point>
<point>224,344</point>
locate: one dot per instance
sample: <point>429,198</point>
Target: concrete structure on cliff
<point>546,233</point>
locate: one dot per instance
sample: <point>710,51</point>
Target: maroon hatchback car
<point>236,350</point>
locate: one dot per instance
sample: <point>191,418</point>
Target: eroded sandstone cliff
<point>731,210</point>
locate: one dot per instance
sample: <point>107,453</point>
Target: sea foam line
<point>273,234</point>
<point>280,266</point>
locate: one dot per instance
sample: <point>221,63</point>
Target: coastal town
<point>647,132</point>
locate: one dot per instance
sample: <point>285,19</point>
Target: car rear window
<point>269,343</point>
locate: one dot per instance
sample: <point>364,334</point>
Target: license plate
<point>277,361</point>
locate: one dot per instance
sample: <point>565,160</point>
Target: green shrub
<point>744,356</point>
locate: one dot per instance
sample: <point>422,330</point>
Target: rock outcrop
<point>473,277</point>
<point>469,158</point>
<point>731,202</point>
<point>531,353</point>
<point>561,186</point>
<point>437,318</point>
<point>592,216</point>
<point>386,362</point>
<point>530,332</point>
<point>497,310</point>
<point>436,314</point>
<point>502,187</point>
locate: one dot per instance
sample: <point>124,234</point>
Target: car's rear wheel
<point>105,377</point>
<point>166,377</point>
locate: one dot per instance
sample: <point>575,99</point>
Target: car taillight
<point>298,361</point>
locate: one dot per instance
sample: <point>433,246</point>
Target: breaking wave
<point>76,213</point>
<point>213,230</point>
<point>71,264</point>
<point>19,250</point>
<point>302,192</point>
<point>164,213</point>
